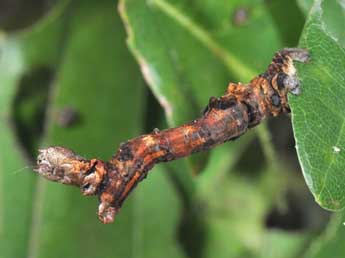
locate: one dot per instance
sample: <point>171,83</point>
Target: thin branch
<point>225,118</point>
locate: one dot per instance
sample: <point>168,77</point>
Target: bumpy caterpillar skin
<point>225,118</point>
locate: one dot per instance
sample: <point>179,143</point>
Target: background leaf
<point>330,244</point>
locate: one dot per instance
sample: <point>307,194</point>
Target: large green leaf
<point>317,114</point>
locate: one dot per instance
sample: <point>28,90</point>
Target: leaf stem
<point>267,146</point>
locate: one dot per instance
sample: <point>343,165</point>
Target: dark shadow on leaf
<point>298,213</point>
<point>252,161</point>
<point>29,107</point>
<point>192,232</point>
<point>288,18</point>
<point>18,14</point>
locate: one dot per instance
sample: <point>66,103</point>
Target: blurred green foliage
<point>247,198</point>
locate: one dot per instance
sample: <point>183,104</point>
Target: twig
<point>225,118</point>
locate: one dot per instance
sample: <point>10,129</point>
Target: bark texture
<point>226,118</point>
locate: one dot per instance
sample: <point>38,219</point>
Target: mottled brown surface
<point>224,119</point>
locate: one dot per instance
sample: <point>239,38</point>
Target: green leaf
<point>331,242</point>
<point>282,244</point>
<point>317,114</point>
<point>289,20</point>
<point>334,19</point>
<point>234,214</point>
<point>231,231</point>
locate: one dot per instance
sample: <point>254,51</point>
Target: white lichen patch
<point>336,149</point>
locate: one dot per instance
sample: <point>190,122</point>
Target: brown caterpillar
<point>225,118</point>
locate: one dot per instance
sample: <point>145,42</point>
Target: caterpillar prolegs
<point>243,106</point>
